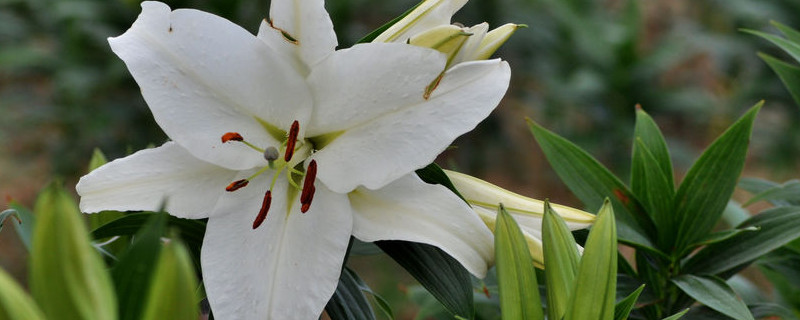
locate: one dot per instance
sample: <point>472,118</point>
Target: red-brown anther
<point>232,136</point>
<point>236,185</point>
<point>290,143</point>
<point>308,186</point>
<point>262,214</point>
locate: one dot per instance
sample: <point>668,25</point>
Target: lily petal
<point>199,87</point>
<point>287,268</point>
<point>355,85</point>
<point>533,237</point>
<point>150,178</point>
<point>307,22</point>
<point>411,210</point>
<point>388,147</point>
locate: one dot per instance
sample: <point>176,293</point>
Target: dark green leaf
<point>704,193</point>
<point>136,267</point>
<point>516,276</point>
<point>788,73</point>
<point>714,293</point>
<point>596,285</point>
<point>717,237</point>
<point>439,273</point>
<point>792,48</point>
<point>434,174</point>
<point>654,189</point>
<point>650,135</point>
<point>791,34</point>
<point>592,184</point>
<point>624,306</point>
<point>771,311</point>
<point>677,315</point>
<point>788,192</point>
<point>562,258</point>
<point>348,301</point>
<point>778,226</point>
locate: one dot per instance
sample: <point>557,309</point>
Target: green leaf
<point>756,185</point>
<point>562,258</point>
<point>443,276</point>
<point>677,315</point>
<point>98,159</point>
<point>136,266</point>
<point>516,276</point>
<point>348,301</point>
<point>67,278</point>
<point>173,288</point>
<point>771,311</point>
<point>788,73</point>
<point>788,192</point>
<point>14,302</point>
<point>646,130</point>
<point>791,34</point>
<point>714,293</point>
<point>654,189</point>
<point>778,226</point>
<point>624,307</point>
<point>592,184</point>
<point>792,48</point>
<point>434,174</point>
<point>709,184</point>
<point>595,289</point>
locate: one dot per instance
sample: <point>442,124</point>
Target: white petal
<point>203,76</point>
<point>287,268</point>
<point>146,179</point>
<point>307,22</point>
<point>470,47</point>
<point>428,14</point>
<point>533,237</point>
<point>380,151</point>
<point>412,210</point>
<point>368,80</point>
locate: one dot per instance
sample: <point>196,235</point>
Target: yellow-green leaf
<point>173,286</point>
<point>14,302</point>
<point>516,276</point>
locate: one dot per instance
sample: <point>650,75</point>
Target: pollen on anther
<point>236,185</point>
<point>231,136</point>
<point>291,141</point>
<point>262,214</point>
<point>308,187</point>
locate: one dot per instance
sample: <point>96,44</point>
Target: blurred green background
<point>579,69</point>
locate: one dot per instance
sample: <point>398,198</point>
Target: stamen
<point>290,143</point>
<point>308,186</point>
<point>232,136</point>
<point>262,214</point>
<point>236,185</point>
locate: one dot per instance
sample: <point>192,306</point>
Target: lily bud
<point>426,15</point>
<point>447,39</point>
<point>494,39</point>
<point>485,198</point>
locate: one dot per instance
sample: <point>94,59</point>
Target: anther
<point>236,185</point>
<point>308,186</point>
<point>271,154</point>
<point>290,143</point>
<point>262,214</point>
<point>232,136</point>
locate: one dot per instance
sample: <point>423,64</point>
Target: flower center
<point>293,165</point>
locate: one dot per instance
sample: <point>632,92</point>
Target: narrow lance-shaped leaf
<point>596,285</point>
<point>592,183</point>
<point>624,307</point>
<point>677,315</point>
<point>791,34</point>
<point>440,274</point>
<point>788,193</point>
<point>561,257</point>
<point>136,266</point>
<point>173,288</point>
<point>646,130</point>
<point>516,276</point>
<point>788,73</point>
<point>777,227</point>
<point>708,185</point>
<point>67,277</point>
<point>15,302</point>
<point>348,301</point>
<point>714,293</point>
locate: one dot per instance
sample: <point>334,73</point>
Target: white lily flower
<point>528,212</point>
<point>314,145</point>
<point>429,24</point>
